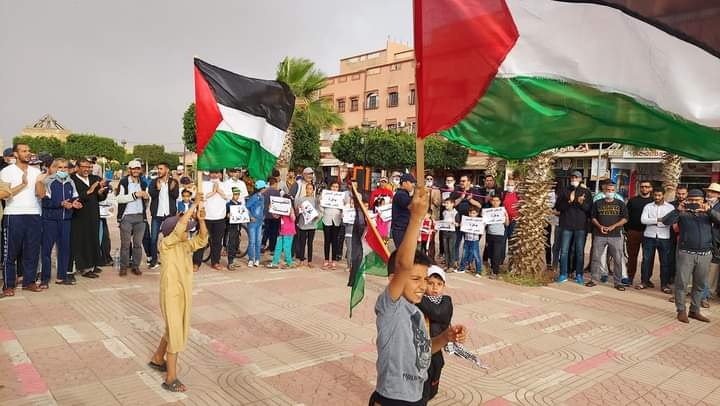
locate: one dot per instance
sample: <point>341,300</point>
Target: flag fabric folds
<point>532,75</point>
<point>240,121</point>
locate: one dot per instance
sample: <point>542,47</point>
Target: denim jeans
<point>154,233</point>
<point>649,245</point>
<point>471,252</point>
<point>578,238</point>
<point>254,240</point>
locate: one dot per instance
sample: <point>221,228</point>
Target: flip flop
<point>174,386</point>
<point>158,367</point>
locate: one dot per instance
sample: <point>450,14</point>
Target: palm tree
<point>306,82</point>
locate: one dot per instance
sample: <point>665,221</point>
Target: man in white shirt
<point>132,196</point>
<point>656,237</point>
<point>234,181</point>
<point>22,221</point>
<point>216,197</point>
<point>164,192</point>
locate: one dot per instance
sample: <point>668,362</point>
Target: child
<point>233,230</point>
<point>496,239</point>
<point>256,208</point>
<point>449,237</point>
<point>184,203</point>
<point>427,232</point>
<point>471,248</point>
<point>176,292</point>
<point>284,243</point>
<point>306,230</point>
<point>350,205</point>
<point>403,344</point>
<point>438,311</point>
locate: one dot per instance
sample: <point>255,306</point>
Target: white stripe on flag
<point>252,127</point>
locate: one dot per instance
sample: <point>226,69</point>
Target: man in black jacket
<point>400,210</point>
<point>574,205</point>
<point>163,192</point>
<point>694,254</point>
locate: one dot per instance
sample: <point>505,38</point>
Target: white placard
<point>445,195</point>
<point>308,211</point>
<point>494,215</point>
<point>474,225</point>
<point>280,206</point>
<point>349,215</point>
<point>385,212</point>
<point>445,225</point>
<point>239,214</point>
<point>332,200</point>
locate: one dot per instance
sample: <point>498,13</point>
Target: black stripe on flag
<point>707,42</point>
<point>269,99</point>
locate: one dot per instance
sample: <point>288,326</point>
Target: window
<point>341,105</point>
<point>411,97</point>
<point>353,104</point>
<point>393,98</point>
<point>395,66</point>
<point>371,101</point>
<point>355,77</point>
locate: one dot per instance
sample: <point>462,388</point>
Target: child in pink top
<point>285,241</point>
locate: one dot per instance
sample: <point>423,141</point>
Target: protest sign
<point>445,225</point>
<point>280,206</point>
<point>332,200</point>
<point>308,211</point>
<point>239,214</point>
<point>494,215</point>
<point>385,212</point>
<point>349,215</point>
<point>474,225</point>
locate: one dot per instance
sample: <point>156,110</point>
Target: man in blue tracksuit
<point>57,210</point>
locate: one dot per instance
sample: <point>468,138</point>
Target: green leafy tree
<point>51,145</point>
<point>152,153</point>
<point>171,159</point>
<point>306,144</point>
<point>85,145</point>
<point>189,129</point>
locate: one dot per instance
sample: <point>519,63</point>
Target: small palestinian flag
<point>241,121</point>
<point>532,75</point>
<point>370,254</point>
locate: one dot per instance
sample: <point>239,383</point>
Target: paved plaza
<point>283,337</point>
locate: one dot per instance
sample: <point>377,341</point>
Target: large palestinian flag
<point>241,121</point>
<point>516,77</point>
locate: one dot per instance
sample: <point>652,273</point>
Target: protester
<point>285,239</point>
<point>85,225</point>
<point>286,185</point>
<point>450,215</point>
<point>465,196</point>
<point>186,201</point>
<point>306,227</point>
<point>332,219</point>
<point>574,205</point>
<point>235,181</point>
<point>271,226</point>
<point>298,189</point>
<point>164,191</point>
<point>215,198</point>
<point>256,209</point>
<point>608,216</point>
<point>712,194</point>
<point>489,190</point>
<point>176,292</point>
<point>694,251</point>
<point>233,229</point>
<point>404,346</point>
<point>384,189</point>
<point>471,248</point>
<point>656,237</point>
<point>496,238</point>
<point>132,196</point>
<point>400,208</point>
<point>58,204</point>
<point>635,228</point>
<point>427,234</point>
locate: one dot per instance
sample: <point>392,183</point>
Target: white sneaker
<point>251,263</point>
<point>477,275</point>
<point>257,264</point>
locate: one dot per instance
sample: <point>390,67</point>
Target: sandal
<point>621,288</point>
<point>175,386</point>
<point>666,290</point>
<point>8,292</point>
<point>32,288</point>
<point>158,367</point>
<point>67,282</point>
<point>640,287</point>
<point>590,284</point>
<point>44,286</point>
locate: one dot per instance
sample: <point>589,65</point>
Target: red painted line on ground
<point>6,335</point>
<point>32,382</point>
<point>228,353</point>
<point>363,348</point>
<point>523,311</point>
<point>497,402</point>
<point>590,363</point>
<point>666,330</point>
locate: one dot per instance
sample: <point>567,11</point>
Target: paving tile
<point>691,384</point>
<point>39,337</point>
<point>649,372</point>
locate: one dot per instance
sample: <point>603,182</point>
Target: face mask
<point>712,202</point>
<point>396,182</point>
<point>451,183</point>
<point>61,174</point>
<point>428,183</point>
<point>448,207</point>
<point>510,189</point>
<point>12,161</point>
<point>575,183</point>
<point>215,180</point>
<point>235,178</point>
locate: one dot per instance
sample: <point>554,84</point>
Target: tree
<point>306,82</point>
<point>306,145</point>
<point>51,145</point>
<point>189,129</point>
<point>85,145</point>
<point>152,154</point>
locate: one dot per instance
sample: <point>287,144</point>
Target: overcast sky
<point>123,69</point>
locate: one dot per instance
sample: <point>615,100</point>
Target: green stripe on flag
<point>372,264</point>
<point>520,117</point>
<point>229,150</point>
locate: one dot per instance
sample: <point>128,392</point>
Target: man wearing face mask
<point>712,195</point>
<point>574,205</point>
<point>216,197</point>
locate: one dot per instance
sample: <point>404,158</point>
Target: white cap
<point>180,168</point>
<point>436,270</point>
<point>134,164</point>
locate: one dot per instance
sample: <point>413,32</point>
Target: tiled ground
<point>278,337</point>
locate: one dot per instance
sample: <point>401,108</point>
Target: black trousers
<point>233,241</point>
<point>271,230</point>
<point>548,245</point>
<point>341,242</point>
<point>305,239</point>
<point>331,241</point>
<point>496,247</point>
<point>216,229</point>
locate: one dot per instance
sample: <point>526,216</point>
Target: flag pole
<point>420,136</point>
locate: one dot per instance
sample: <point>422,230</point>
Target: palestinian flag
<point>369,253</point>
<point>532,75</point>
<point>241,121</point>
